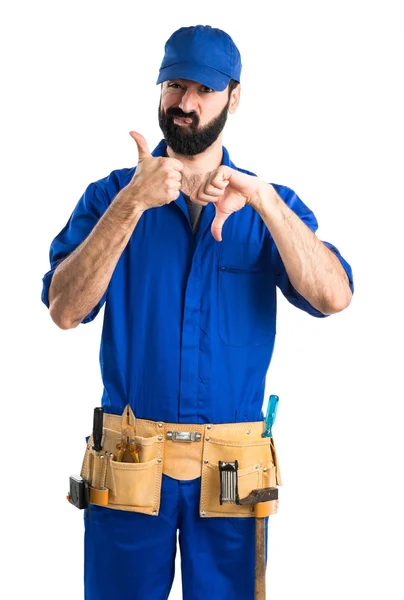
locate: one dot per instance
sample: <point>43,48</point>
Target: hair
<point>232,85</point>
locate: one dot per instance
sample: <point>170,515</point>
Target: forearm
<point>313,269</point>
<point>82,278</point>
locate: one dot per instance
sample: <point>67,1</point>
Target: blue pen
<point>271,414</point>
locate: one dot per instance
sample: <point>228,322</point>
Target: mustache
<point>177,112</point>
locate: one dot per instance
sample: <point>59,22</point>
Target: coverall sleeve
<point>86,214</point>
<point>282,280</point>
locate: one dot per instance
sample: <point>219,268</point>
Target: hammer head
<point>262,495</point>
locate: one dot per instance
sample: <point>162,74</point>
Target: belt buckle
<point>183,436</point>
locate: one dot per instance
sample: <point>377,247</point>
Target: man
<point>186,252</point>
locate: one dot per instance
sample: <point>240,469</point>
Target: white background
<point>321,112</point>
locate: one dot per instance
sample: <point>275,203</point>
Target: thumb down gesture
<point>230,191</point>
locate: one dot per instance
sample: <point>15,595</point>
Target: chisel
<point>98,493</point>
<point>97,428</point>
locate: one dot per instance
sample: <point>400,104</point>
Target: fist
<point>157,180</point>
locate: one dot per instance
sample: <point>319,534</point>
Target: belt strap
<point>183,442</point>
<point>147,428</point>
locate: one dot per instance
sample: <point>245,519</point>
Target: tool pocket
<point>256,470</point>
<point>87,464</point>
<point>137,486</point>
<point>278,476</point>
<point>132,486</point>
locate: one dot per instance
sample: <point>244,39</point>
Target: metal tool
<point>263,507</point>
<point>271,414</point>
<point>228,482</point>
<point>128,444</point>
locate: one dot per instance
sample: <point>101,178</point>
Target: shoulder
<point>110,185</point>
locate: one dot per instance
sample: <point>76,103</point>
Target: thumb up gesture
<point>157,180</point>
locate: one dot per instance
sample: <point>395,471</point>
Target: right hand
<point>157,180</point>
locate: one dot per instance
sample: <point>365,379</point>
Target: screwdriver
<point>271,414</point>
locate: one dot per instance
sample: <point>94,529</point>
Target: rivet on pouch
<point>160,425</point>
<point>160,437</point>
<point>205,462</point>
<point>159,459</point>
<point>248,432</point>
<point>207,438</point>
<point>209,426</point>
<point>203,513</point>
<point>154,512</point>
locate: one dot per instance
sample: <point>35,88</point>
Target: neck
<point>203,163</point>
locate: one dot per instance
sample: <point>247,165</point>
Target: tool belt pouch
<point>257,467</point>
<point>131,486</point>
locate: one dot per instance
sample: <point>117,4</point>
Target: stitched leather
<point>137,486</point>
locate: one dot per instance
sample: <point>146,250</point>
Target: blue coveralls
<point>188,334</point>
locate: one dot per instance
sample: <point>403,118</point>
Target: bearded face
<point>183,133</point>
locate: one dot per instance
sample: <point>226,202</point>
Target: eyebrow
<point>178,80</point>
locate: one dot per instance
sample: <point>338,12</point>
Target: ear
<point>234,99</point>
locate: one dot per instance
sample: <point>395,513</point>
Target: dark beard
<point>191,139</point>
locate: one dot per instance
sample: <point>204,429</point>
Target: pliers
<point>128,436</point>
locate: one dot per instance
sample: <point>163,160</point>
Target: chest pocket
<point>246,295</point>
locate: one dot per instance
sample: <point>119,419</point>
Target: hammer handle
<point>259,581</point>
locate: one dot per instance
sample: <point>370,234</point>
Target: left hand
<point>230,191</point>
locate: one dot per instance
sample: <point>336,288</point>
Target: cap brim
<point>212,78</point>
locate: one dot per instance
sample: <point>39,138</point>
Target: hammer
<point>263,507</point>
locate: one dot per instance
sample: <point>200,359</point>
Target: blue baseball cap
<point>203,54</point>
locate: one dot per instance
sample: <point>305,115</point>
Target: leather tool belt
<point>182,451</point>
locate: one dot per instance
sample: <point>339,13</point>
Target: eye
<point>206,90</point>
<point>174,85</point>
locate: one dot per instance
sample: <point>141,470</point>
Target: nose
<point>189,101</point>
